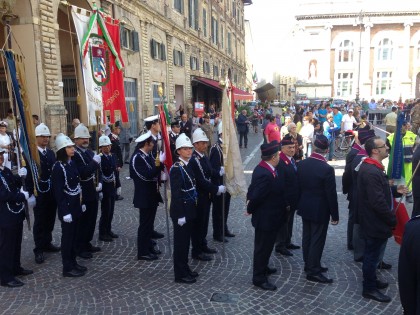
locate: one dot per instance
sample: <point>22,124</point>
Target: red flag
<point>165,136</point>
<point>402,219</point>
<point>113,91</point>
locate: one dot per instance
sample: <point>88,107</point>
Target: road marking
<point>249,157</point>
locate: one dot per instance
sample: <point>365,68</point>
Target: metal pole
<point>223,217</point>
<point>165,200</point>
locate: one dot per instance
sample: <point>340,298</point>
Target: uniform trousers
<point>44,220</point>
<point>10,247</point>
<point>86,226</point>
<point>217,214</point>
<point>371,258</point>
<point>125,149</point>
<point>145,230</point>
<point>68,244</point>
<point>350,224</point>
<point>107,213</point>
<point>284,235</point>
<point>182,237</point>
<point>313,242</point>
<point>263,246</point>
<point>244,136</point>
<point>200,224</point>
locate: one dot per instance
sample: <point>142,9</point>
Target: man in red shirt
<point>272,131</point>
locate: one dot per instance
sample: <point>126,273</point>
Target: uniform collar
<point>318,156</point>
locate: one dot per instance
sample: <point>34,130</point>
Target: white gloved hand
<point>163,176</point>
<point>22,172</point>
<point>83,208</point>
<point>162,156</point>
<point>222,171</point>
<point>31,201</point>
<point>222,190</point>
<point>25,193</point>
<point>119,191</point>
<point>182,221</point>
<point>67,218</point>
<point>101,196</point>
<point>97,158</point>
<point>99,187</point>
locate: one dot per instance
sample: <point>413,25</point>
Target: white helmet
<point>42,130</point>
<point>219,128</point>
<point>199,135</point>
<point>81,131</point>
<point>62,141</point>
<point>183,142</point>
<point>104,141</point>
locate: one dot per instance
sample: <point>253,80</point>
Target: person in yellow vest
<point>408,141</point>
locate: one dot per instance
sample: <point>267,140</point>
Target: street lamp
<point>360,22</point>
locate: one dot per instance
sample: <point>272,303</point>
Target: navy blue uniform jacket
<point>216,161</point>
<point>291,181</point>
<point>203,173</point>
<point>109,177</point>
<point>12,209</point>
<point>87,170</point>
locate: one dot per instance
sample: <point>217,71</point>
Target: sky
<point>272,24</point>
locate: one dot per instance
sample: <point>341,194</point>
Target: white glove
<point>163,176</point>
<point>22,172</point>
<point>25,193</point>
<point>119,191</point>
<point>162,156</point>
<point>101,196</point>
<point>31,202</point>
<point>83,208</point>
<point>222,171</point>
<point>99,187</point>
<point>222,190</point>
<point>67,218</point>
<point>182,221</point>
<point>97,158</point>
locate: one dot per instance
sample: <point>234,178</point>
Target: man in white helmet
<point>203,171</point>
<point>183,209</point>
<point>46,208</point>
<point>87,163</point>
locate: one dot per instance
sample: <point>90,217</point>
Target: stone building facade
<point>173,43</point>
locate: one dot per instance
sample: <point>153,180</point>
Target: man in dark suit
<point>173,135</point>
<point>186,125</point>
<point>145,173</point>
<point>287,166</point>
<point>317,204</point>
<point>242,125</point>
<point>266,204</point>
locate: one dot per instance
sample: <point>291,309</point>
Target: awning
<point>238,93</point>
<point>241,95</point>
<point>209,82</point>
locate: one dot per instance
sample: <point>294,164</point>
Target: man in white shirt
<point>348,121</point>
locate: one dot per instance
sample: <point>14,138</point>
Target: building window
<point>129,39</point>
<point>206,67</point>
<point>157,50</point>
<point>193,13</point>
<point>233,9</point>
<point>385,50</point>
<point>205,22</point>
<point>215,71</point>
<point>178,58</point>
<point>222,73</point>
<point>346,51</point>
<point>383,82</point>
<point>222,37</point>
<point>194,65</point>
<point>229,43</point>
<point>179,6</point>
<point>344,84</point>
<point>214,30</point>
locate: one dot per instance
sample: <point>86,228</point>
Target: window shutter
<point>122,40</point>
<point>162,52</point>
<point>135,40</point>
<point>174,57</point>
<point>152,48</point>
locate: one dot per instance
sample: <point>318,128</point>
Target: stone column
<point>170,68</point>
<point>146,105</point>
<point>187,90</point>
<point>326,69</point>
<point>365,75</point>
<point>404,71</point>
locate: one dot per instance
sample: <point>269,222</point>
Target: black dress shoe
<point>292,246</point>
<point>105,238</point>
<point>229,234</point>
<point>155,251</point>
<point>80,267</point>
<point>148,257</point>
<point>113,235</point>
<point>284,251</point>
<point>381,284</point>
<point>193,274</point>
<point>52,248</point>
<point>39,258</point>
<point>266,286</point>
<point>74,273</point>
<point>359,259</point>
<point>220,239</point>
<point>13,284</point>
<point>188,280</point>
<point>85,255</point>
<point>119,198</point>
<point>94,249</point>
<point>376,295</point>
<point>319,278</point>
<point>156,235</point>
<point>23,272</point>
<point>270,270</point>
<point>209,250</point>
<point>384,265</point>
<point>202,257</point>
<point>323,269</point>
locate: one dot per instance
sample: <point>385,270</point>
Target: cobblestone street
<point>117,283</point>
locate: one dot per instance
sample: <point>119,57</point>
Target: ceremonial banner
<point>235,179</point>
<point>402,219</point>
<point>165,137</point>
<point>101,64</point>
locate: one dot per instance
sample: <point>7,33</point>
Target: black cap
<point>364,135</point>
<point>175,123</point>
<point>321,142</point>
<point>269,149</point>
